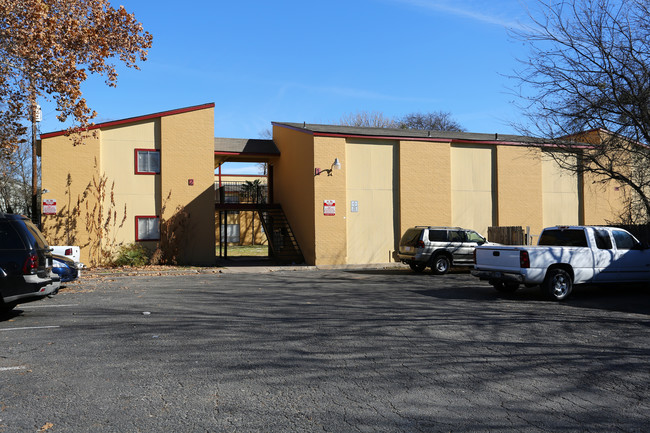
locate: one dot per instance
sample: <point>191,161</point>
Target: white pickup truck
<point>564,256</point>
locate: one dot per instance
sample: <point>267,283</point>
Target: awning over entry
<point>243,150</point>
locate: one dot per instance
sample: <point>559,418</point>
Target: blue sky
<point>317,61</point>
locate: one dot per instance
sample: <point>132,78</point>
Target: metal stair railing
<point>282,242</point>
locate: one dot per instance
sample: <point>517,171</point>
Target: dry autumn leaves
<point>49,47</point>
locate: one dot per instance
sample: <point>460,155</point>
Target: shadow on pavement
<point>634,299</point>
<point>404,270</point>
<point>8,315</point>
<point>243,261</point>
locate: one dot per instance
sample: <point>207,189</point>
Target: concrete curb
<point>236,268</point>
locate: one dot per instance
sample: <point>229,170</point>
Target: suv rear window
<point>457,236</point>
<point>411,237</point>
<point>438,235</point>
<point>563,238</point>
<point>9,237</point>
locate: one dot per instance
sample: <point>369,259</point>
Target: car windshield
<point>474,237</point>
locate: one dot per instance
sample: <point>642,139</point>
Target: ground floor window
<point>231,232</point>
<point>147,228</point>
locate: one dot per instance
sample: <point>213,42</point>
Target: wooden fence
<point>507,235</point>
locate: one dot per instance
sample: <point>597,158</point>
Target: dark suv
<point>438,247</point>
<point>25,262</point>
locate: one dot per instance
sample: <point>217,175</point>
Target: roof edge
<point>135,119</point>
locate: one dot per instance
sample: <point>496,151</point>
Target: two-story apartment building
<point>348,193</point>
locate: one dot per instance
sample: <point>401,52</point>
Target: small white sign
<point>49,207</point>
<point>329,207</point>
<point>354,206</point>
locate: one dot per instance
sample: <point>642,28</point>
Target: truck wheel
<point>557,284</point>
<point>440,264</point>
<point>417,267</point>
<point>503,287</point>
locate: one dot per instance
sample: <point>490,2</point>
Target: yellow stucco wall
<point>519,188</point>
<point>560,195</point>
<point>138,194</point>
<point>68,173</point>
<point>105,166</point>
<point>424,184</point>
<point>603,202</point>
<point>293,183</point>
<point>369,177</point>
<point>187,150</point>
<point>330,231</point>
<point>249,223</point>
<point>472,187</point>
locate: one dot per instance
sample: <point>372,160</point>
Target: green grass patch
<point>246,250</point>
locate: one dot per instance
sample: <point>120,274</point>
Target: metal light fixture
<point>335,165</point>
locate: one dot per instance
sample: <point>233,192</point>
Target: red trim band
<point>135,119</point>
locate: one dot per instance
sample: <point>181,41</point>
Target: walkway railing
<point>241,192</point>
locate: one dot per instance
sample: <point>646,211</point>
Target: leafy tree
<point>47,50</point>
<point>589,70</point>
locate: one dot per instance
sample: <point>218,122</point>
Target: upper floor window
<point>147,161</point>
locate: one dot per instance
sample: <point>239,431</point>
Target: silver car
<point>438,248</point>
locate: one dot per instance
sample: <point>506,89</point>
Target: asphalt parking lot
<point>324,351</point>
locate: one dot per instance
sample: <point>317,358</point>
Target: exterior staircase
<point>282,242</point>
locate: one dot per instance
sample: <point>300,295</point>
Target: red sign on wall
<point>329,207</point>
<point>49,207</point>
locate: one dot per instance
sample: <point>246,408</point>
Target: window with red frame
<point>147,228</point>
<point>147,161</point>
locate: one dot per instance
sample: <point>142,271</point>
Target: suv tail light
<point>31,264</point>
<point>420,244</point>
<point>524,260</point>
<point>68,252</point>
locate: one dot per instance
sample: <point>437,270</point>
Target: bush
<point>132,255</point>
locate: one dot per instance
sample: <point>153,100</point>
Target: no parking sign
<point>49,207</point>
<point>329,207</point>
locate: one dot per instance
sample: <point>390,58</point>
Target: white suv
<point>438,247</point>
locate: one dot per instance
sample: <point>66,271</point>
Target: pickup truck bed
<point>565,256</point>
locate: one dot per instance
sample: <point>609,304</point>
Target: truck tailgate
<point>497,257</point>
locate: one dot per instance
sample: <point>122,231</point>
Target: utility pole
<point>36,117</point>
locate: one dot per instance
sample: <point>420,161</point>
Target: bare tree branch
<point>589,70</point>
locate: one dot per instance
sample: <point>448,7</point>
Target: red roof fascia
<point>136,119</point>
<point>221,152</point>
<point>431,139</point>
